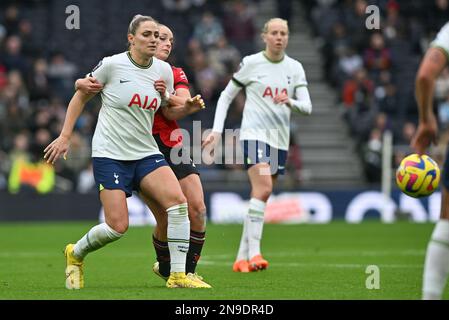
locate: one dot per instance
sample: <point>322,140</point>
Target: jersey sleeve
<point>442,40</point>
<point>242,77</point>
<point>180,79</point>
<point>300,77</point>
<point>167,76</point>
<point>102,71</point>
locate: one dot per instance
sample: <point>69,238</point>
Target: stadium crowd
<point>37,80</point>
<point>374,70</point>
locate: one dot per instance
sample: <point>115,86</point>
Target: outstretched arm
<point>191,105</point>
<point>433,63</point>
<point>60,145</point>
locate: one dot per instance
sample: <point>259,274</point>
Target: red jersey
<point>164,127</point>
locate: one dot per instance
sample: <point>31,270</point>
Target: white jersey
<point>442,40</point>
<point>263,79</point>
<point>129,102</point>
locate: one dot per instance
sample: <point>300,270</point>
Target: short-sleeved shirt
<point>129,102</point>
<point>262,79</point>
<point>164,127</point>
<point>442,40</point>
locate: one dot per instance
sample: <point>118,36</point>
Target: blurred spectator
<point>86,181</point>
<point>394,24</point>
<point>18,89</point>
<point>377,57</point>
<point>385,94</point>
<point>38,82</point>
<point>355,88</point>
<point>338,44</point>
<point>11,19</point>
<point>349,62</point>
<point>325,16</point>
<point>354,17</point>
<point>209,31</point>
<point>20,148</point>
<point>30,48</point>
<point>372,156</point>
<point>12,57</point>
<point>62,75</point>
<point>223,57</point>
<point>239,26</point>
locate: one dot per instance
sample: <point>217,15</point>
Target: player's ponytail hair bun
<point>136,21</point>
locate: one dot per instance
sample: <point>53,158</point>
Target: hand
<point>211,140</point>
<point>281,98</point>
<point>161,87</point>
<point>89,85</point>
<point>54,150</point>
<point>425,135</point>
<point>195,103</point>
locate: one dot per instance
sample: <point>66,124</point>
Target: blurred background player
<point>167,138</point>
<point>125,157</point>
<point>436,265</point>
<point>271,79</point>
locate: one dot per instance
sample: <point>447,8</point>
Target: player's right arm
<point>88,85</point>
<point>60,145</point>
<point>432,65</point>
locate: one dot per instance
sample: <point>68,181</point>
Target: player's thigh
<point>193,191</point>
<point>163,186</point>
<point>115,209</point>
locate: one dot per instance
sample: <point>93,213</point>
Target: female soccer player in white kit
<point>436,267</point>
<point>275,85</point>
<point>125,156</point>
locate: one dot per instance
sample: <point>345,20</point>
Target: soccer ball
<point>418,176</point>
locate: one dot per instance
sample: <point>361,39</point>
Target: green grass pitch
<point>306,262</point>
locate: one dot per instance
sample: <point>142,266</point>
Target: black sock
<point>162,256</point>
<point>194,253</point>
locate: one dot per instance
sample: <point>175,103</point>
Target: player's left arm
<point>301,103</point>
<point>189,106</point>
<point>181,104</point>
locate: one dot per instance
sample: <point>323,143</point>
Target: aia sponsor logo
<point>146,105</point>
<point>268,92</point>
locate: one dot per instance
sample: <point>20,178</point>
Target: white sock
<point>243,248</point>
<point>178,236</point>
<point>255,226</point>
<point>97,237</point>
<point>436,267</point>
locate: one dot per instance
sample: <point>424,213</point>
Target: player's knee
<point>119,226</point>
<point>179,198</point>
<point>263,192</point>
<point>197,214</point>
